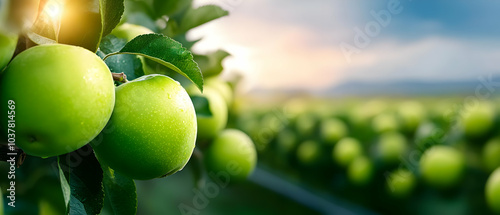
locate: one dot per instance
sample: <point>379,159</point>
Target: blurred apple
<point>363,113</point>
<point>478,120</point>
<point>332,130</point>
<point>8,44</point>
<point>401,183</point>
<point>209,127</point>
<point>306,124</point>
<point>8,36</point>
<point>391,147</point>
<point>492,191</point>
<point>360,171</point>
<point>427,135</point>
<point>130,31</point>
<point>308,152</point>
<point>232,149</point>
<point>491,154</point>
<point>346,151</point>
<point>442,166</point>
<point>222,87</point>
<point>411,113</point>
<point>385,122</point>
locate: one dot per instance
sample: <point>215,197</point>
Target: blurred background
<point>355,107</point>
<point>394,77</point>
<point>356,47</point>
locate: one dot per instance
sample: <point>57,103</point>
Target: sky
<point>314,45</point>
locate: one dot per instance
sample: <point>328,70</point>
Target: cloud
<point>291,44</point>
<point>272,57</point>
<point>434,57</point>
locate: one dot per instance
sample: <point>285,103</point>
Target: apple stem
<point>120,77</point>
<point>10,153</point>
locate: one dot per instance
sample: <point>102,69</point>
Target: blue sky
<point>294,44</point>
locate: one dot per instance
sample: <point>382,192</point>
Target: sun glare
<point>54,9</point>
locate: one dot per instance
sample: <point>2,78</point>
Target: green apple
<point>308,152</point>
<point>346,151</point>
<point>209,127</point>
<point>152,131</point>
<point>391,147</point>
<point>491,154</point>
<point>385,122</point>
<point>305,124</point>
<point>492,191</point>
<point>130,31</point>
<point>64,96</point>
<point>222,87</point>
<point>363,113</point>
<point>332,130</point>
<point>427,135</point>
<point>411,113</point>
<point>401,183</point>
<point>360,171</point>
<point>442,166</point>
<point>233,152</point>
<point>478,119</point>
<point>8,43</point>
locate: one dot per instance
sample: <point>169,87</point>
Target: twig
<point>7,153</point>
<point>120,77</point>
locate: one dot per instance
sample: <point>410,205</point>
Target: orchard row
<point>382,151</point>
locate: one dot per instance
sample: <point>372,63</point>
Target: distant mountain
<point>405,87</point>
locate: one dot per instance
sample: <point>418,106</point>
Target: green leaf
<point>170,7</point>
<point>81,181</point>
<point>131,65</point>
<point>81,22</point>
<point>199,16</point>
<point>111,13</point>
<point>39,39</point>
<point>201,106</point>
<point>121,192</point>
<point>64,178</point>
<point>167,52</point>
<point>211,63</point>
<point>45,29</point>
